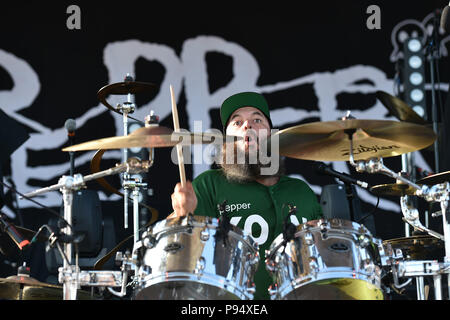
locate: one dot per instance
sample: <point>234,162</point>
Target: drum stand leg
<point>420,288</point>
<point>437,287</point>
<point>446,225</point>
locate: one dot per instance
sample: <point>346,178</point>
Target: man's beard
<point>248,167</point>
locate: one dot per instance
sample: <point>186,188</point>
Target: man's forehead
<point>245,110</point>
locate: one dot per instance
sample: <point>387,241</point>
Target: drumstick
<point>176,127</point>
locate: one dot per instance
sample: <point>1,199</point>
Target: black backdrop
<point>300,52</point>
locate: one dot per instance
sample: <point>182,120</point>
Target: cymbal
<point>123,88</point>
<point>127,87</point>
<point>28,288</point>
<point>147,137</point>
<point>435,179</point>
<point>399,108</point>
<point>328,141</point>
<point>394,189</point>
<point>423,247</point>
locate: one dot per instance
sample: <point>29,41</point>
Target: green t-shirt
<point>259,210</point>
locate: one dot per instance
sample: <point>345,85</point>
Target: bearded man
<point>256,193</point>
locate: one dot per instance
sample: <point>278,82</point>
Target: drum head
<point>185,288</point>
<point>337,289</point>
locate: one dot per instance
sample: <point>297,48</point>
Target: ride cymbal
<point>399,109</point>
<point>329,141</point>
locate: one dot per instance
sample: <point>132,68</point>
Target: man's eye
<point>237,123</point>
<point>257,120</point>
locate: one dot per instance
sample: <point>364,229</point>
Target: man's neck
<point>269,181</point>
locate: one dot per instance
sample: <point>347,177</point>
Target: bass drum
<point>330,259</point>
<point>196,257</point>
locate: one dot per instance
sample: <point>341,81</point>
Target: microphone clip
<point>289,228</point>
<point>224,225</point>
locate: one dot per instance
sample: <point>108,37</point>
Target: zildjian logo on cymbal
<point>363,149</point>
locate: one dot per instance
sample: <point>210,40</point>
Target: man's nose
<point>246,125</point>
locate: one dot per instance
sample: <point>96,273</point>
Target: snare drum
<point>329,259</point>
<point>185,258</point>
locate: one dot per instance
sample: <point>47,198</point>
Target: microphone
<point>71,126</point>
<point>445,20</point>
<point>14,234</point>
<point>322,168</point>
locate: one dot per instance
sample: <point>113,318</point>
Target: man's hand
<point>184,200</point>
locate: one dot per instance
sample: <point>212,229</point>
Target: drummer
<point>253,200</point>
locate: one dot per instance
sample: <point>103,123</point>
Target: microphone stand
<point>350,198</point>
<point>69,274</point>
<point>433,53</point>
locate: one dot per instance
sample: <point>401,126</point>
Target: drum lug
<point>251,288</point>
<point>270,263</point>
<point>309,239</point>
<point>314,267</point>
<point>200,266</point>
<point>364,241</point>
<point>252,258</point>
<point>149,241</point>
<point>273,290</point>
<point>204,235</point>
<point>324,231</point>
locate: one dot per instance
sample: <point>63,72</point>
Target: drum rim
<point>293,285</point>
<point>206,221</point>
<point>205,278</point>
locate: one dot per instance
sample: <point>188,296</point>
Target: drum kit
<point>197,257</point>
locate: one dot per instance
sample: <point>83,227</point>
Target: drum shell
<point>327,259</point>
<point>188,261</point>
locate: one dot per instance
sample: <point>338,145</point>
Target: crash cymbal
<point>148,137</point>
<point>399,109</point>
<point>394,189</point>
<point>329,141</point>
<point>423,247</point>
<point>435,179</point>
<point>28,288</point>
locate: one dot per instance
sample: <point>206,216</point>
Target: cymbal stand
<point>408,167</point>
<point>69,274</point>
<point>135,184</point>
<point>437,193</point>
<point>126,108</point>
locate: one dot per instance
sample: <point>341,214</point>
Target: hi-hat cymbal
<point>28,288</point>
<point>399,109</point>
<point>435,179</point>
<point>150,137</point>
<point>329,141</point>
<point>424,247</point>
<point>394,189</point>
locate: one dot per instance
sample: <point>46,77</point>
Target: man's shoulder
<point>292,180</point>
